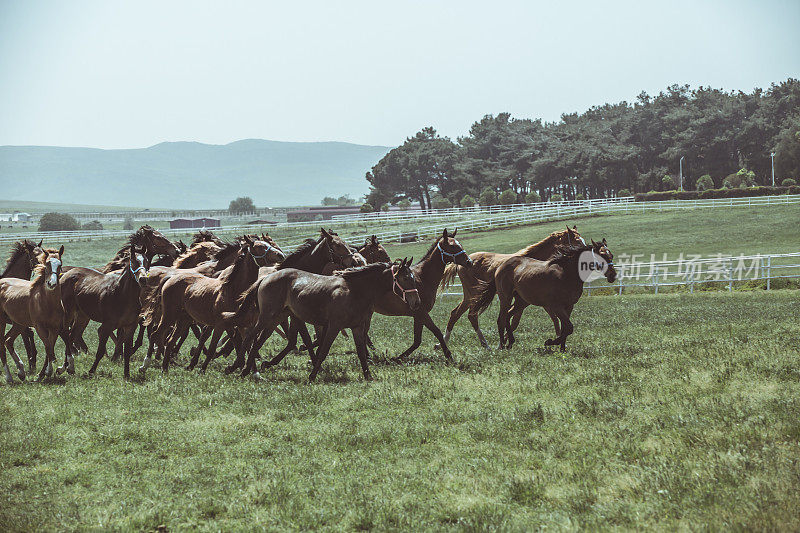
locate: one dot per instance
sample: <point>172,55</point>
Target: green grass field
<point>670,411</point>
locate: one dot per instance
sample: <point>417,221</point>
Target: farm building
<point>194,223</point>
<point>320,213</point>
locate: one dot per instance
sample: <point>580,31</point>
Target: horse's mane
<point>210,247</point>
<point>430,250</point>
<point>39,269</point>
<point>18,249</point>
<point>301,251</point>
<point>530,250</point>
<point>227,248</point>
<point>355,272</point>
<point>565,253</point>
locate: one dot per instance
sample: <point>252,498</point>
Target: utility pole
<point>681,173</point>
<point>772,157</point>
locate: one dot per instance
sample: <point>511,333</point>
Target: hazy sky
<point>121,75</point>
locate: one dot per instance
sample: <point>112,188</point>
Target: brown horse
<point>187,298</point>
<point>484,265</point>
<point>145,238</point>
<point>373,252</point>
<point>555,284</point>
<point>428,273</point>
<point>110,299</point>
<point>24,257</point>
<point>344,300</point>
<point>35,304</point>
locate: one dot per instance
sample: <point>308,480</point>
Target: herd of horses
<point>232,295</point>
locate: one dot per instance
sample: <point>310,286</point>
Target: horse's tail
<point>485,295</point>
<point>449,275</point>
<point>247,302</point>
<point>151,307</point>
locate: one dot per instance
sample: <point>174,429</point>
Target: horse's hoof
<point>21,374</point>
<point>229,370</point>
<point>256,377</point>
<point>368,377</point>
<point>437,346</point>
<point>60,370</point>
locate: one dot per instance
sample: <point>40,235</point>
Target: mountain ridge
<point>188,174</point>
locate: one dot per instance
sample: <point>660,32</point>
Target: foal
<point>34,304</point>
<point>110,299</point>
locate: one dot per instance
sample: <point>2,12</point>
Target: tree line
<point>725,139</point>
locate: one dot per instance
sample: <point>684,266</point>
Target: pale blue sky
<point>132,74</point>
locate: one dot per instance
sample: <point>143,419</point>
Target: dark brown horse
<point>428,273</point>
<point>109,299</point>
<point>484,265</point>
<point>24,257</point>
<point>36,304</point>
<point>556,285</point>
<point>344,300</point>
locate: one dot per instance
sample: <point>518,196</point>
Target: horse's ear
<point>374,240</point>
<point>594,243</point>
<point>454,233</point>
<point>568,230</point>
<point>604,241</point>
<point>61,250</point>
<point>444,233</point>
<point>40,243</point>
<point>574,227</point>
<point>411,260</point>
<point>325,233</point>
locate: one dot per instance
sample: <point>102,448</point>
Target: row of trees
<point>635,146</point>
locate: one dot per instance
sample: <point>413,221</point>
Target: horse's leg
<point>139,339</point>
<point>128,349</point>
<point>243,357</point>
<point>455,314</point>
<point>325,345</point>
<point>179,334</point>
<point>427,321</point>
<point>566,326</point>
<point>151,343</point>
<point>30,348</point>
<point>197,350</point>
<point>359,338</point>
<point>502,319</point>
<point>415,344</point>
<point>516,312</point>
<point>306,336</point>
<point>212,348</point>
<point>3,361</point>
<point>69,359</point>
<point>102,338</point>
<point>291,342</point>
<point>9,343</point>
<point>49,340</point>
<point>118,339</point>
<point>554,317</point>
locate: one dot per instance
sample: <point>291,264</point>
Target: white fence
<point>465,218</point>
<point>691,272</point>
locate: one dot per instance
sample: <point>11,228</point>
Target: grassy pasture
<point>666,411</point>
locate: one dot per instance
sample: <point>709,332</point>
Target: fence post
<point>769,270</point>
<point>655,284</point>
<point>730,275</point>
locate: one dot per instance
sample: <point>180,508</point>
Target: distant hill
<point>188,175</point>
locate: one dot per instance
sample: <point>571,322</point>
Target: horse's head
<point>139,265</point>
<point>569,237</point>
<point>153,242</point>
<point>181,246</point>
<point>262,252</point>
<point>274,245</point>
<point>50,262</point>
<point>340,251</point>
<point>451,249</point>
<point>601,249</point>
<point>33,251</point>
<point>404,284</point>
<point>373,252</point>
